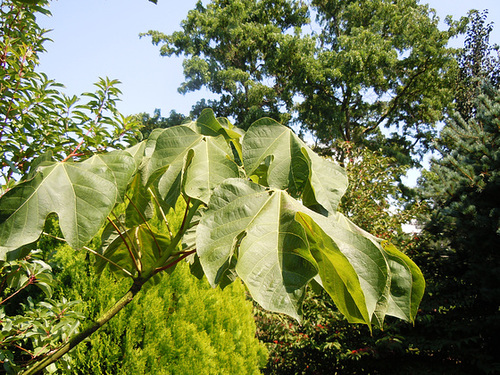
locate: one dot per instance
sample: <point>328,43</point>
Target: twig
<point>171,264</point>
<point>124,230</point>
<point>145,222</point>
<point>126,244</point>
<point>31,280</point>
<point>161,211</point>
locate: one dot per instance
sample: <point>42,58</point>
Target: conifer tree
<point>463,268</point>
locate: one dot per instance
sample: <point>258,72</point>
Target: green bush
<point>180,326</point>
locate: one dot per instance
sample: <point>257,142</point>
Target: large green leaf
<point>170,149</point>
<point>365,255</point>
<point>291,165</point>
<point>257,227</point>
<point>338,276</point>
<point>391,283</point>
<point>183,157</point>
<point>81,194</point>
<point>208,167</point>
<point>407,285</point>
<point>208,124</point>
<point>277,245</point>
<point>267,140</point>
<point>327,183</point>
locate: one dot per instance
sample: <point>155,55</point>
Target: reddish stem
<point>31,280</point>
<point>171,264</point>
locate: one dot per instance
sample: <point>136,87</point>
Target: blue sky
<point>98,38</point>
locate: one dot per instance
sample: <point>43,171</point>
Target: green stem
<point>124,301</point>
<point>160,264</point>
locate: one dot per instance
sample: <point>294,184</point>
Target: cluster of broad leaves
<point>260,205</point>
<point>43,324</point>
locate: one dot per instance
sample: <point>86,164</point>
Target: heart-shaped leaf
<point>257,227</point>
<point>208,167</point>
<point>183,157</point>
<point>81,194</point>
<point>292,166</point>
<point>268,140</point>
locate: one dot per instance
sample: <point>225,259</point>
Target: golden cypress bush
<point>180,326</point>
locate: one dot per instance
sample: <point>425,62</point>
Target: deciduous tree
<point>36,117</point>
<point>359,67</point>
<point>150,123</point>
<point>479,61</point>
<point>260,205</point>
<point>39,123</point>
<point>232,48</point>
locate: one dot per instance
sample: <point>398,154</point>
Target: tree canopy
<point>479,62</point>
<point>358,67</point>
<point>232,47</point>
<point>459,242</point>
<point>36,117</point>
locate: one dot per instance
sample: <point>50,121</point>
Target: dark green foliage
<point>463,189</point>
<point>323,344</point>
<point>149,123</point>
<point>379,64</point>
<point>479,61</point>
<point>31,322</point>
<point>231,48</point>
<point>180,326</point>
<point>327,344</point>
